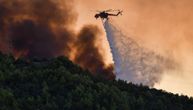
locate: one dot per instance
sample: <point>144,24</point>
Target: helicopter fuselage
<point>102,15</point>
<point>105,15</point>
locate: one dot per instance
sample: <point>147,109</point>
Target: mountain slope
<point>58,84</point>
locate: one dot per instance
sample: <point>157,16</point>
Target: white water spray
<point>132,62</point>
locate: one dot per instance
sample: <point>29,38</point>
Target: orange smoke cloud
<point>163,26</point>
<point>33,28</point>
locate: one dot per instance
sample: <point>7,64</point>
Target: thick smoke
<point>36,28</point>
<point>134,63</point>
<point>44,28</point>
<point>88,52</point>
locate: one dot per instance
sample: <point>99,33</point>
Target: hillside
<point>58,84</point>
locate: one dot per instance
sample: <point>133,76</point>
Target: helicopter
<point>105,14</point>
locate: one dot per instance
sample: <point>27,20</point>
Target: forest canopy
<point>58,84</point>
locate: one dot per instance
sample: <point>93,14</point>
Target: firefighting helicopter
<point>105,14</point>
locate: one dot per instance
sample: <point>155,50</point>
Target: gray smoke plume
<point>133,62</point>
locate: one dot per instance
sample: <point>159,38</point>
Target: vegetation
<point>58,84</point>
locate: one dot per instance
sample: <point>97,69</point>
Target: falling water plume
<point>132,62</point>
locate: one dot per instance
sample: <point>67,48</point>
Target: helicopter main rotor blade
<point>109,10</point>
<point>96,11</point>
<point>116,10</point>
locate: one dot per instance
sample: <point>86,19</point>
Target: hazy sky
<point>164,26</point>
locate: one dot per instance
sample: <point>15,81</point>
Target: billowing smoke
<point>133,62</point>
<point>36,28</point>
<point>88,52</point>
<point>44,28</point>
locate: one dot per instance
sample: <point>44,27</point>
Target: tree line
<point>58,84</point>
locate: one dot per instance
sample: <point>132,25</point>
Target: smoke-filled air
<point>150,41</point>
<point>44,28</point>
<point>29,29</point>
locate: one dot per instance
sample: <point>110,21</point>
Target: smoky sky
<point>44,28</point>
<point>88,54</point>
<point>30,26</point>
<point>161,25</point>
